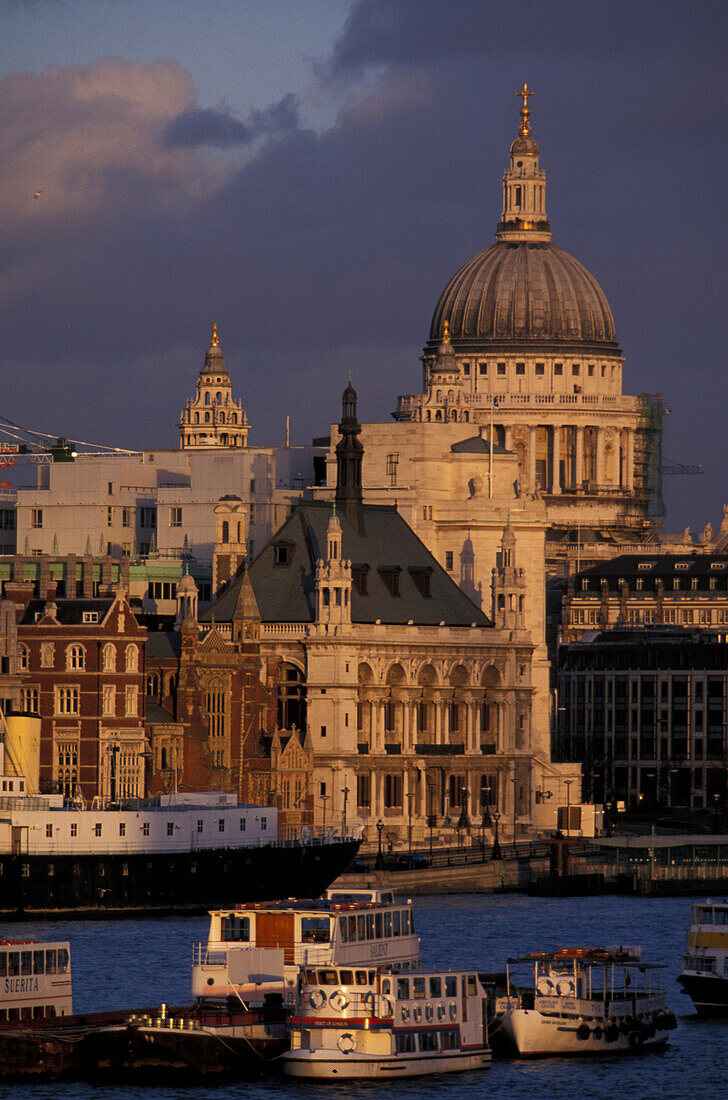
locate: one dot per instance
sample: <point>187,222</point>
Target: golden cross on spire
<point>525,130</point>
<point>215,342</point>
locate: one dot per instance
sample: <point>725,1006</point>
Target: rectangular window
<point>30,699</point>
<point>501,369</point>
<point>122,828</point>
<point>74,829</point>
<point>148,517</point>
<point>145,828</point>
<point>449,560</point>
<point>97,829</point>
<point>36,517</point>
<point>126,517</point>
<point>575,369</point>
<point>108,701</point>
<point>49,830</point>
<point>221,825</point>
<point>109,516</point>
<point>392,463</point>
<point>466,369</point>
<point>130,698</point>
<point>520,368</point>
<point>67,700</point>
<point>170,828</point>
<point>591,370</point>
<point>540,369</point>
<point>175,517</point>
<point>482,369</point>
<point>558,368</point>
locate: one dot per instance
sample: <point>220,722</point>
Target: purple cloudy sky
<point>309,175</point>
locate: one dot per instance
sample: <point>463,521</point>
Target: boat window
<point>428,1040</point>
<point>327,977</point>
<point>26,962</point>
<point>315,929</point>
<point>472,987</point>
<point>311,977</point>
<point>403,989</point>
<point>386,986</point>
<point>405,1042</point>
<point>38,960</point>
<point>448,1040</point>
<point>3,964</point>
<point>347,977</point>
<point>12,1014</point>
<point>436,987</point>
<point>62,960</point>
<point>361,977</point>
<point>407,925</point>
<point>451,986</point>
<point>50,962</point>
<point>706,916</point>
<point>721,916</point>
<point>13,962</point>
<point>352,929</point>
<point>372,976</point>
<point>395,922</point>
<point>418,988</point>
<point>388,925</point>
<point>234,929</point>
<point>342,930</point>
<point>3,1015</point>
<point>387,897</point>
<point>378,924</point>
<point>370,926</point>
<point>361,928</point>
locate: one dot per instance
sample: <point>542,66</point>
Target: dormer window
<point>391,579</point>
<point>421,578</point>
<point>90,616</point>
<point>282,553</point>
<point>682,565</point>
<point>359,576</point>
<point>645,565</point>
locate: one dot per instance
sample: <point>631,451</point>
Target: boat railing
<point>628,1005</point>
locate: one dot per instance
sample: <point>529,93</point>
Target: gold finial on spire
<point>215,342</point>
<point>525,130</point>
<point>446,332</point>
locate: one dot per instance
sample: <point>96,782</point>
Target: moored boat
<point>582,1001</point>
<point>363,1023</point>
<point>704,974</point>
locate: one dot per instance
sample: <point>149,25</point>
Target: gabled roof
<point>68,612</point>
<point>163,643</point>
<point>285,592</point>
<point>476,445</point>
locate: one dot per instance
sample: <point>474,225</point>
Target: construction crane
<point>681,468</point>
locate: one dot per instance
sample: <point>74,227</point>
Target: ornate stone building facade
<point>212,418</point>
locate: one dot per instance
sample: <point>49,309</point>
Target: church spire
<point>524,186</point>
<point>349,454</point>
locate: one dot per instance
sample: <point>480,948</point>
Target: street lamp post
<point>345,792</point>
<point>430,817</point>
<point>324,799</point>
<point>380,861</point>
<point>410,796</point>
<point>567,784</point>
<point>496,853</point>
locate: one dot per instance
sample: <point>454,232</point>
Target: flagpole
<point>490,467</point>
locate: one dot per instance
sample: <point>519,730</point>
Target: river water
<point>131,963</point>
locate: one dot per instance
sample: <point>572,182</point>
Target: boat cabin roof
<point>335,901</point>
<point>590,956</point>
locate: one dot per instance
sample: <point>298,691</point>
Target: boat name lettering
<point>21,985</point>
<point>378,950</point>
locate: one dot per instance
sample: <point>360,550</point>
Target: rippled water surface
<point>119,964</point>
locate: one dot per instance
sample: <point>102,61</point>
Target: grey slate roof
<point>163,643</point>
<point>158,716</point>
<point>285,593</point>
<point>68,612</point>
<point>650,568</point>
<point>477,445</point>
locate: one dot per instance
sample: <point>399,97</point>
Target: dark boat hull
<point>708,993</point>
<point>120,885</point>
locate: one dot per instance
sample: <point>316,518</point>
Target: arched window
<point>225,531</point>
<point>171,685</point>
<point>216,706</point>
<point>108,658</point>
<point>197,418</point>
<point>132,658</point>
<point>207,398</point>
<point>291,698</point>
<point>75,657</point>
<point>152,684</point>
<point>234,418</point>
<point>218,399</point>
<point>207,418</point>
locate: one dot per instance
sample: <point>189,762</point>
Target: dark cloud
<point>323,253</point>
<point>221,130</point>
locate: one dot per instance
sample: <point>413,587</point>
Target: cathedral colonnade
<point>568,456</point>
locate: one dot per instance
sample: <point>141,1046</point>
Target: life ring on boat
<point>453,1011</point>
<point>387,1008</point>
<point>582,1032</point>
<point>441,1012</point>
<point>429,1012</point>
<point>545,987</point>
<point>368,1002</point>
<point>346,1043</point>
<point>417,1013</point>
<point>405,1013</point>
<point>636,1039</point>
<point>317,999</point>
<point>565,988</point>
<point>339,1000</point>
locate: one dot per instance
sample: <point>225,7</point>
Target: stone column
<point>406,728</point>
<point>579,470</point>
<point>599,444</point>
<point>556,460</point>
<point>532,457</point>
<point>629,460</point>
<point>437,705</point>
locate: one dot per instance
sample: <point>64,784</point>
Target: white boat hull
<point>525,1033</point>
<point>325,1065</point>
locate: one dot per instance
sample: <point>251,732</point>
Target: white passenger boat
<point>704,974</point>
<point>35,981</point>
<point>583,1001</point>
<point>355,1022</point>
<point>257,950</point>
